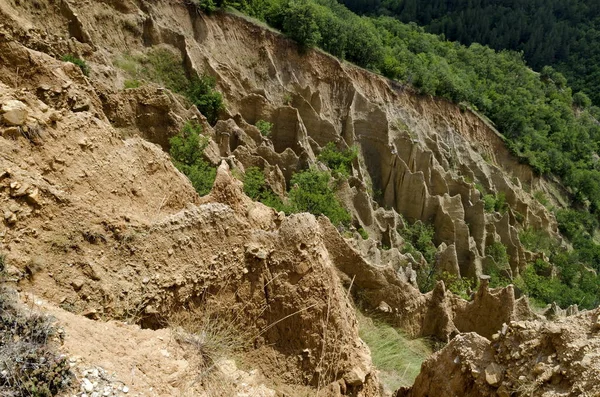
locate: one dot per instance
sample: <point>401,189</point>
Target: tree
<point>300,23</point>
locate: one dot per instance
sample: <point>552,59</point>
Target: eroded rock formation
<point>97,219</point>
<point>529,358</point>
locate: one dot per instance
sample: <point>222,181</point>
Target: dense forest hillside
<point>560,33</point>
<point>543,122</point>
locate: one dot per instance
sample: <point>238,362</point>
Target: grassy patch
<point>85,69</point>
<point>397,357</point>
<point>132,83</point>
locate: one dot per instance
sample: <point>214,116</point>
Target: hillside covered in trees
<point>560,33</point>
<point>544,122</point>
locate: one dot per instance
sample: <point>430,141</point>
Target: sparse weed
<point>212,333</point>
<point>287,99</point>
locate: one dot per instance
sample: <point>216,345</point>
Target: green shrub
<point>499,270</point>
<point>581,100</point>
<point>206,6</point>
<point>312,193</point>
<point>498,252</point>
<point>257,188</point>
<point>363,233</point>
<point>264,127</point>
<point>165,67</point>
<point>186,152</point>
<point>254,182</point>
<point>501,205</point>
<point>85,69</point>
<point>418,238</point>
<point>339,161</point>
<point>458,285</point>
<point>540,197</point>
<point>489,202</point>
<point>480,188</point>
<point>537,241</point>
<point>299,22</point>
<point>201,93</point>
<point>495,203</point>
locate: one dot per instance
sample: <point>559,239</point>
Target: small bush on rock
<point>311,193</point>
<point>264,127</point>
<point>339,161</point>
<point>85,69</point>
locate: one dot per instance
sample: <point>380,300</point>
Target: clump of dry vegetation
<point>29,366</point>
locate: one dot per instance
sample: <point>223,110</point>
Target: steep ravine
<point>98,220</point>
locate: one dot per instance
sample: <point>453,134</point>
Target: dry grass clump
<point>213,331</point>
<point>29,367</point>
<point>213,335</point>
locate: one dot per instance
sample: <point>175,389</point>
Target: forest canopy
<point>560,33</point>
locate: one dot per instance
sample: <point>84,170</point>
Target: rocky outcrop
<point>110,229</point>
<point>532,358</point>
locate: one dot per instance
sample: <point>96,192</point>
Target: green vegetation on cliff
<point>187,154</point>
<point>542,121</point>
